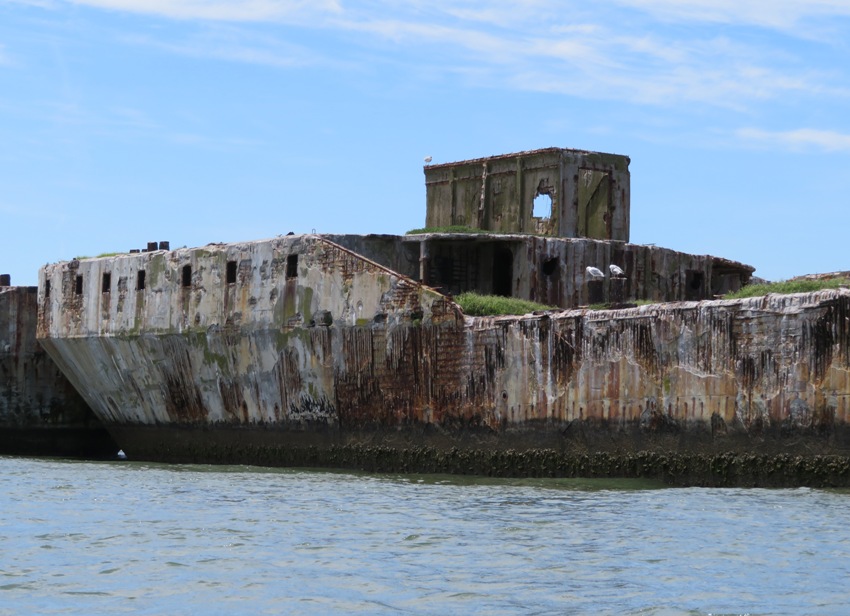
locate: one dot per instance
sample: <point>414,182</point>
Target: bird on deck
<point>594,272</point>
<point>616,271</point>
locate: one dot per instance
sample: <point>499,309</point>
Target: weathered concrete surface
<point>551,271</point>
<point>40,412</point>
<point>586,194</point>
<point>267,348</point>
<point>340,352</point>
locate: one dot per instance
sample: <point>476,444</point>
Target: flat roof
<point>523,153</point>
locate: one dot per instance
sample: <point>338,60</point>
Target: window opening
<point>46,289</point>
<point>140,280</point>
<point>542,206</point>
<point>106,283</point>
<point>187,275</point>
<point>231,272</point>
<point>694,280</point>
<point>550,266</point>
<point>78,287</point>
<point>292,266</point>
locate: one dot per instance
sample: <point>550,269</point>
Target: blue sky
<point>195,121</point>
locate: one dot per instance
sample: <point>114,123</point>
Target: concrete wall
<point>272,347</point>
<point>775,365</point>
<point>40,412</point>
<point>586,194</point>
<point>551,271</point>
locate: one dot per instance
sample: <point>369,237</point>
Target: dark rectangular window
<point>140,280</point>
<point>292,266</point>
<point>106,283</point>
<point>78,287</point>
<point>231,272</point>
<point>187,275</point>
<point>46,289</point>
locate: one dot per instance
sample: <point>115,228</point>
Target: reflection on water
<point>84,538</point>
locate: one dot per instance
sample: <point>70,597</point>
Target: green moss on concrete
<point>156,267</point>
<point>306,303</point>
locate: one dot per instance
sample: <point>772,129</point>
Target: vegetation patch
<point>784,287</point>
<point>476,305</point>
<point>103,254</point>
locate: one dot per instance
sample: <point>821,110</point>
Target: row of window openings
<point>185,279</point>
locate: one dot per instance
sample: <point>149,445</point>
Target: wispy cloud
<point>798,139</point>
<point>223,10</point>
<point>596,61</point>
<point>232,44</point>
<point>31,212</point>
<point>612,50</point>
<point>780,14</point>
<point>39,3</point>
<point>774,14</point>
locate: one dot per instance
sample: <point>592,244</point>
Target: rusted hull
<point>40,411</point>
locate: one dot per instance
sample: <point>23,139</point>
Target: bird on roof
<point>616,271</point>
<point>428,159</point>
<point>594,272</point>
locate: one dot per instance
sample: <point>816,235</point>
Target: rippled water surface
<point>114,538</point>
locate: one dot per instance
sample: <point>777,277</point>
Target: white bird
<point>428,159</point>
<point>594,272</point>
<point>616,271</point>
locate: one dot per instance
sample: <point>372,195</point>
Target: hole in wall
<point>187,276</point>
<point>231,272</point>
<point>542,206</point>
<point>78,286</point>
<point>106,282</point>
<point>140,280</point>
<point>550,266</point>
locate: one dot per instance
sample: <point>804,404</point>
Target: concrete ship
<point>348,350</point>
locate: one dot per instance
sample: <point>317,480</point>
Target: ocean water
<point>135,538</point>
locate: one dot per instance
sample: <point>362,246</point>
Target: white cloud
<point>799,139</point>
